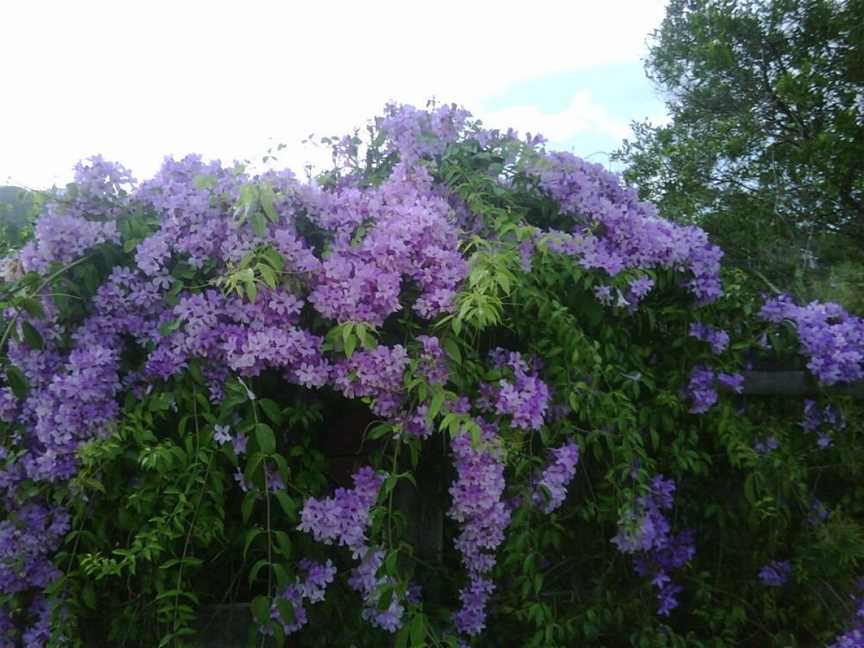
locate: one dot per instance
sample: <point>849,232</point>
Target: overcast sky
<point>136,81</point>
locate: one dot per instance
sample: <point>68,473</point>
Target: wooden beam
<point>794,383</point>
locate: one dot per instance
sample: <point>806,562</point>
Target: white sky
<point>135,81</point>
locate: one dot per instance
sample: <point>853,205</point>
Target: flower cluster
<point>64,233</point>
<point>854,637</point>
<point>717,338</point>
<point>479,508</point>
<point>551,488</point>
<point>411,238</point>
<point>69,404</point>
<point>343,519</point>
<point>311,589</point>
<point>27,539</point>
<point>525,398</point>
<point>612,230</point>
<point>375,374</point>
<point>702,387</point>
<point>364,579</point>
<point>831,339</point>
<point>822,421</point>
<point>645,531</point>
<point>775,573</point>
<point>415,133</point>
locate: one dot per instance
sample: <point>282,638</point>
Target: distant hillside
<point>17,209</point>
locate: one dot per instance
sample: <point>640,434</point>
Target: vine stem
<point>38,290</point>
<point>269,529</point>
<point>194,515</point>
<point>390,498</point>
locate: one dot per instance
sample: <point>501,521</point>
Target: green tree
<point>765,146</point>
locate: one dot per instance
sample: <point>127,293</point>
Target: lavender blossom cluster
<point>525,398</point>
<point>702,387</point>
<point>645,532</point>
<point>343,520</point>
<point>309,589</point>
<point>822,421</point>
<point>831,339</point>
<point>352,252</point>
<point>717,338</point>
<point>551,488</point>
<point>614,231</point>
<point>479,508</point>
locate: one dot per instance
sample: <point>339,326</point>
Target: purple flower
<point>717,338</point>
<point>310,589</point>
<point>241,481</point>
<point>823,422</point>
<point>343,518</point>
<point>479,508</point>
<point>701,390</point>
<point>551,489</point>
<point>645,532</point>
<point>775,573</point>
<point>525,398</point>
<point>238,443</point>
<point>831,339</point>
<point>221,434</point>
<point>769,445</point>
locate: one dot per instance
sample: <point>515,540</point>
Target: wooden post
<point>794,383</point>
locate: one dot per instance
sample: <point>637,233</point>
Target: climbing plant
<point>457,390</point>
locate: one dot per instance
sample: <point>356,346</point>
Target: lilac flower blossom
<point>311,589</point>
<point>556,477</point>
<point>525,398</point>
<point>775,573</point>
<point>479,508</point>
<point>221,434</point>
<point>645,532</point>
<point>717,338</point>
<point>831,339</point>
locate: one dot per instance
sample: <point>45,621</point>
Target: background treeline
<point>765,143</point>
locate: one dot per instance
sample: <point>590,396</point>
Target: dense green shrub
<point>520,381</point>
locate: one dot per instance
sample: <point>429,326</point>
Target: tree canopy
<point>765,143</point>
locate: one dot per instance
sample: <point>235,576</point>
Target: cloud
<point>583,115</point>
<point>138,80</point>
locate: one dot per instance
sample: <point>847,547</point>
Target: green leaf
<point>283,542</point>
<point>32,307</point>
<point>418,630</point>
<point>169,327</point>
<point>17,381</point>
<point>251,534</point>
<point>267,196</point>
<point>265,437</point>
<point>272,410</point>
<point>248,506</point>
<point>251,291</point>
<point>31,336</point>
<point>273,257</point>
<point>288,505</point>
<point>259,223</point>
<point>286,610</point>
<point>380,430</point>
<point>267,275</point>
<point>257,567</point>
<point>350,346</point>
<point>451,347</point>
<point>261,609</point>
<point>435,405</point>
